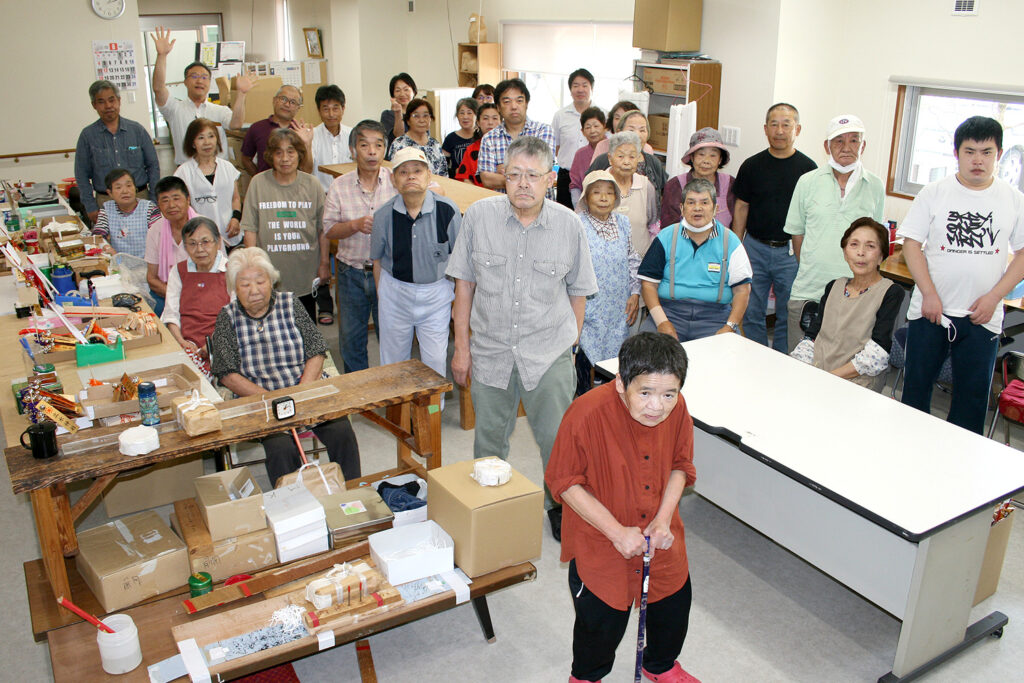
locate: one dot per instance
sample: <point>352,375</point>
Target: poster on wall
<point>115,62</point>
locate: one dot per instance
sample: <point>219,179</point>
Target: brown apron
<point>846,328</point>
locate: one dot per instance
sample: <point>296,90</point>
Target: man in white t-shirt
<point>180,113</point>
<point>958,234</point>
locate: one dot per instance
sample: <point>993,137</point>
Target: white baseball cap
<point>844,123</point>
<point>408,154</point>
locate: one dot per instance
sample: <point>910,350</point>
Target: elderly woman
<point>456,142</point>
<point>164,247</point>
<point>418,115</point>
<point>488,119</point>
<point>592,122</point>
<point>212,181</point>
<point>283,210</point>
<point>851,334</point>
<point>648,165</point>
<point>263,341</point>
<point>402,89</point>
<point>639,200</point>
<point>196,287</point>
<point>611,311</point>
<point>615,115</point>
<point>707,154</point>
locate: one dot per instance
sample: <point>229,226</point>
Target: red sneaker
<point>674,675</point>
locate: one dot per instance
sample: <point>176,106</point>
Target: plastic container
<point>200,583</point>
<point>148,405</point>
<point>63,279</point>
<point>119,651</point>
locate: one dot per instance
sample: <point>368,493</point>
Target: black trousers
<point>599,629</point>
<point>321,300</point>
<point>337,435</point>
<point>562,194</point>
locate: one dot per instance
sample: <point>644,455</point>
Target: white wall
<point>833,61</point>
<point>48,67</point>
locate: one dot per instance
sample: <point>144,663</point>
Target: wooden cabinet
<point>487,67</point>
<point>697,81</point>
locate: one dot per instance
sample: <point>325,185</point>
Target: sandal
<point>325,319</point>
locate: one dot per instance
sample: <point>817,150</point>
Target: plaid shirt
<point>347,201</point>
<point>495,143</point>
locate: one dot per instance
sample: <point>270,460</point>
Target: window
<point>927,116</point>
<point>545,53</point>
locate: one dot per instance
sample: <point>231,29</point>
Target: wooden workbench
<point>408,391</point>
<point>463,194</point>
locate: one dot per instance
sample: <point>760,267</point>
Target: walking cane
<point>643,608</point>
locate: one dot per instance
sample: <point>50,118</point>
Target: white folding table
<point>892,502</point>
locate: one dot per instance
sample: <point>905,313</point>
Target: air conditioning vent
<point>965,8</point>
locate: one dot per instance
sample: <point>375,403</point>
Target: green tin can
<point>200,583</point>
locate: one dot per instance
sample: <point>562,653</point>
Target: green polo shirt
<point>819,214</point>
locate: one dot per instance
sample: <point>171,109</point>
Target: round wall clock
<point>108,9</point>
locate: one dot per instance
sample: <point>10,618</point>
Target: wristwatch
<point>735,326</point>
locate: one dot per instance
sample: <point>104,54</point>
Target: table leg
<point>942,587</point>
<point>367,672</point>
<point>426,418</point>
<point>467,417</point>
<point>52,541</point>
<point>483,614</point>
<point>399,415</point>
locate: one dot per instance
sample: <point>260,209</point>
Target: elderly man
<point>825,202</point>
<point>522,274</point>
<point>413,235</point>
<point>695,277</point>
<point>112,142</point>
<point>287,102</point>
<point>624,433</point>
<point>763,188</point>
<point>568,132</point>
<point>958,234</point>
<point>179,113</point>
<point>513,98</point>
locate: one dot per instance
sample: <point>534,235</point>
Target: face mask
<point>849,168</point>
<point>687,226</point>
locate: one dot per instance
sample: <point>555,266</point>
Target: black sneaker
<point>555,517</point>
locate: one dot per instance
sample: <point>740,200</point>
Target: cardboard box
<point>195,414</point>
<point>391,552</point>
<point>107,323</point>
<point>995,553</point>
<point>221,559</point>
<point>161,484</point>
<point>298,521</point>
<point>403,517</point>
<point>297,547</point>
<point>658,136</point>
<point>493,526</point>
<point>128,560</point>
<point>665,81</point>
<point>170,381</point>
<point>231,503</point>
<point>667,25</point>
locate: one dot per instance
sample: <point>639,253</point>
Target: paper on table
<point>312,71</point>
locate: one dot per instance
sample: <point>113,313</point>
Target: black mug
<point>42,439</point>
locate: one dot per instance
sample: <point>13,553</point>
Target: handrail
<point>66,152</point>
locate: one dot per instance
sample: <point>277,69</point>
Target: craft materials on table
<point>196,414</point>
<point>138,440</point>
<point>68,605</point>
<point>491,471</point>
<point>120,651</point>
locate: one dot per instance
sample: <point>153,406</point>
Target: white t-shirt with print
<point>968,236</point>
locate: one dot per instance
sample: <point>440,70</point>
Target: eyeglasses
<point>193,244</point>
<point>287,100</point>
<point>205,199</point>
<point>532,176</point>
<point>420,116</point>
<point>199,77</point>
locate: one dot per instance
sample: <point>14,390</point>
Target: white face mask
<point>687,226</point>
<point>849,168</point>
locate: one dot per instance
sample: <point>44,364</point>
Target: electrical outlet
<point>731,135</point>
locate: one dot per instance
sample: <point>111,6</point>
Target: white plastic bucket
<point>119,651</point>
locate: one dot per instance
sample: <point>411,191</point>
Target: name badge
<point>714,267</point>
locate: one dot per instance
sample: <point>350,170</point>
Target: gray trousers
<point>496,411</point>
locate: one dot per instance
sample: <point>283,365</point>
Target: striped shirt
<point>347,201</point>
<point>495,143</point>
<point>524,277</point>
<point>126,232</point>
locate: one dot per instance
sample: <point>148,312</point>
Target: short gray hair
<point>99,86</point>
<point>626,137</point>
<point>250,257</point>
<point>699,186</point>
<point>530,146</point>
<point>194,224</point>
<point>281,90</point>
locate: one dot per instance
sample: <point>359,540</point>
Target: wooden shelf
<point>488,56</point>
<point>703,84</point>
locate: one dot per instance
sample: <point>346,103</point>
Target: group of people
<point>607,257</point>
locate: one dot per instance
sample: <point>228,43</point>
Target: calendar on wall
<point>115,62</point>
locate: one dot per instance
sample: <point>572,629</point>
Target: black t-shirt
<point>456,146</point>
<point>767,184</point>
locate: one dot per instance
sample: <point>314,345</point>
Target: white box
<point>292,507</point>
<point>307,544</point>
<point>405,517</point>
<point>412,552</point>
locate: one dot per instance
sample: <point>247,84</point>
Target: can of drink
<point>148,405</point>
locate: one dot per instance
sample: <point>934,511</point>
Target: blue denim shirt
<point>98,153</point>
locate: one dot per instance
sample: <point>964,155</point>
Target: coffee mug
<point>42,439</point>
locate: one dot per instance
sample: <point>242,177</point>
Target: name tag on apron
<point>714,267</point>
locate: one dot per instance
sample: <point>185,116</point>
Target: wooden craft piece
<point>316,620</point>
